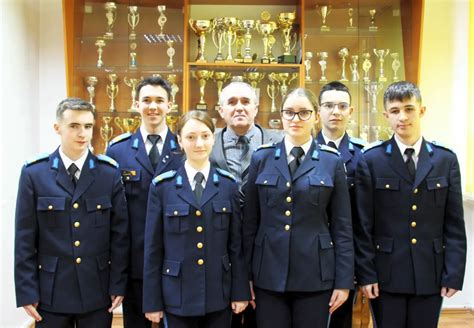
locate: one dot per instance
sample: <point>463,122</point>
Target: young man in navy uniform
<point>71,229</point>
<point>150,151</point>
<point>335,110</point>
<point>411,239</point>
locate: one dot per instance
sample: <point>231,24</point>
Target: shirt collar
<point>416,146</point>
<point>289,146</point>
<point>191,172</point>
<point>327,139</point>
<point>67,161</point>
<point>230,135</point>
<point>145,134</point>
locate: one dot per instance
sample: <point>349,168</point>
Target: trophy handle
<point>191,23</point>
<point>119,124</point>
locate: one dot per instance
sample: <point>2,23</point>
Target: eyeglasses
<point>329,106</point>
<point>303,115</point>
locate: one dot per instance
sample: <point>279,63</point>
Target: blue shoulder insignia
<point>37,158</point>
<point>122,137</point>
<point>329,149</point>
<point>108,160</point>
<point>264,146</point>
<point>372,145</point>
<point>163,176</point>
<point>358,142</point>
<point>224,173</point>
<point>439,145</point>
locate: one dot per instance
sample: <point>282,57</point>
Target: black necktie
<point>244,157</point>
<point>410,162</point>
<point>198,188</point>
<point>245,142</point>
<point>72,169</point>
<point>297,152</point>
<point>332,144</point>
<point>154,154</point>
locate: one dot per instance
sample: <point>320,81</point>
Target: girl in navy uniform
<point>297,224</point>
<point>194,271</point>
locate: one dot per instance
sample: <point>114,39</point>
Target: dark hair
<point>197,115</point>
<point>155,81</point>
<point>302,92</point>
<point>73,104</point>
<point>400,91</point>
<point>334,85</point>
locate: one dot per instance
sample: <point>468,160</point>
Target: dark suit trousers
<point>133,316</point>
<point>246,319</point>
<point>97,319</point>
<point>292,309</point>
<point>342,317</point>
<point>406,310</point>
<point>218,319</point>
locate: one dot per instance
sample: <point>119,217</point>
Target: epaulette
<point>264,146</point>
<point>359,142</point>
<point>38,158</point>
<point>108,160</point>
<point>226,174</point>
<point>437,144</point>
<point>329,149</point>
<point>163,176</point>
<point>122,137</point>
<point>372,145</point>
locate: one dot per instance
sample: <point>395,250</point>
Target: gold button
<point>387,186</point>
<point>288,184</point>
<point>265,182</point>
<point>414,207</point>
<point>77,224</point>
<point>99,207</point>
<point>200,245</point>
<point>39,267</point>
<point>224,209</point>
<point>200,262</point>
<point>77,243</point>
<point>78,260</point>
<point>199,229</point>
<point>287,213</point>
<point>322,182</point>
<point>288,199</point>
<point>175,213</point>
<point>50,207</point>
<point>76,205</point>
<point>438,185</point>
<point>413,241</point>
<point>415,191</point>
<point>413,224</point>
<point>287,227</point>
<point>198,213</point>
<point>378,246</point>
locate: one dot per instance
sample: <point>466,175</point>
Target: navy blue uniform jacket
<point>137,172</point>
<point>70,243</point>
<point>298,231</point>
<point>193,252</point>
<point>411,236</point>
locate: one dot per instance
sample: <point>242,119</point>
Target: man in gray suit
<point>234,146</point>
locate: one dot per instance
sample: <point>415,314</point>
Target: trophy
<point>110,15</point>
<point>202,76</point>
<point>220,78</point>
<point>133,19</point>
<point>307,65</point>
<point>239,42</point>
<point>323,63</point>
<point>381,53</point>
<point>284,80</point>
<point>91,82</point>
<point>353,66</point>
<point>174,91</point>
<point>248,25</point>
<point>132,83</point>
<point>161,19</point>
<point>170,52</point>
<point>271,43</point>
<point>266,29</point>
<point>372,27</point>
<point>231,24</point>
<point>376,131</point>
<point>218,34</point>
<point>128,124</point>
<point>373,89</point>
<point>274,123</point>
<point>343,53</point>
<point>237,78</point>
<point>133,56</point>
<point>351,127</point>
<point>112,90</point>
<point>285,23</point>
<point>366,65</point>
<point>324,12</point>
<point>395,66</point>
<point>106,131</point>
<point>171,121</point>
<point>254,78</point>
<point>100,44</point>
<point>272,91</point>
<point>364,133</point>
<point>200,28</point>
<point>351,27</point>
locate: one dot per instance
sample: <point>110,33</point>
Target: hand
<point>252,295</point>
<point>371,291</point>
<point>239,306</point>
<point>448,292</point>
<point>31,311</point>
<point>338,297</point>
<point>154,316</point>
<point>116,301</point>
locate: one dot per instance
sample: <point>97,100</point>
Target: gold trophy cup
<point>91,82</point>
<point>381,54</point>
<point>174,90</point>
<point>202,76</point>
<point>248,25</point>
<point>272,91</point>
<point>100,44</point>
<point>285,23</point>
<point>112,90</point>
<point>133,20</point>
<point>266,29</point>
<point>220,78</point>
<point>106,131</point>
<point>366,65</point>
<point>284,80</point>
<point>132,83</point>
<point>161,19</point>
<point>128,124</point>
<point>110,15</point>
<point>200,28</point>
<point>324,12</point>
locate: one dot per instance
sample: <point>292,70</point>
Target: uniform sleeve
<point>26,235</point>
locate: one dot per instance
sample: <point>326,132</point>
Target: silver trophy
<point>307,65</point>
<point>373,89</point>
<point>161,19</point>
<point>353,66</point>
<point>323,56</point>
<point>366,65</point>
<point>381,53</point>
<point>343,53</point>
<point>395,66</point>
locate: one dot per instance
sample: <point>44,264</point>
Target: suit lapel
<point>346,153</point>
<point>140,152</point>
<point>281,161</point>
<point>185,192</point>
<point>396,160</point>
<point>62,177</point>
<point>87,176</point>
<point>169,146</point>
<point>307,164</point>
<point>424,165</point>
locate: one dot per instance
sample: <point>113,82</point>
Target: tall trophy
<point>284,80</point>
<point>239,43</point>
<point>323,56</point>
<point>271,43</point>
<point>266,29</point>
<point>395,66</point>
<point>202,76</point>
<point>248,25</point>
<point>220,78</point>
<point>272,91</point>
<point>364,133</point>
<point>133,56</point>
<point>254,78</point>
<point>324,12</point>
<point>366,65</point>
<point>128,124</point>
<point>351,128</point>
<point>106,131</point>
<point>353,66</point>
<point>161,19</point>
<point>343,53</point>
<point>100,44</point>
<point>381,53</point>
<point>373,89</point>
<point>231,24</point>
<point>351,27</point>
<point>376,129</point>
<point>285,23</point>
<point>133,19</point>
<point>110,15</point>
<point>174,91</point>
<point>218,35</point>
<point>372,27</point>
<point>132,83</point>
<point>170,52</point>
<point>112,90</point>
<point>200,28</point>
<point>91,82</point>
<point>307,65</point>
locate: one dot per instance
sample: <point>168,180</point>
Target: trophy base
<point>132,67</point>
<point>132,37</point>
<point>239,60</point>
<point>217,107</point>
<point>373,28</point>
<point>343,80</point>
<point>201,60</point>
<point>265,60</point>
<point>308,79</point>
<point>219,60</point>
<point>109,35</point>
<point>325,28</point>
<point>287,59</point>
<point>229,61</point>
<point>201,106</point>
<point>323,79</point>
<point>351,28</point>
<point>248,60</point>
<point>382,79</point>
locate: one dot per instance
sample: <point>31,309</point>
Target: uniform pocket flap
<point>438,245</point>
<point>130,174</point>
<point>436,183</point>
<point>267,179</point>
<point>226,262</point>
<point>103,261</point>
<point>51,203</point>
<point>387,183</point>
<point>177,210</point>
<point>222,207</point>
<point>171,268</point>
<point>384,244</point>
<point>48,263</point>
<point>321,180</point>
<point>325,241</point>
<point>97,204</point>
